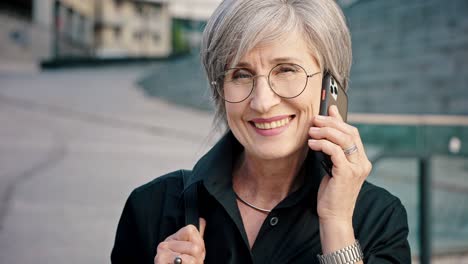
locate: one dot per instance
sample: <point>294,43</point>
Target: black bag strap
<point>190,201</point>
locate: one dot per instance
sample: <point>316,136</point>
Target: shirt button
<point>273,221</point>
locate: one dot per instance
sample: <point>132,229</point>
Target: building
<point>105,28</point>
<point>137,28</point>
<point>196,10</point>
<point>189,18</point>
<point>68,25</point>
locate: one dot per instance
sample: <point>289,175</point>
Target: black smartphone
<point>332,94</point>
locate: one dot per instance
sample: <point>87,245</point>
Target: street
<point>73,144</point>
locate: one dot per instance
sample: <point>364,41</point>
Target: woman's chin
<point>273,151</point>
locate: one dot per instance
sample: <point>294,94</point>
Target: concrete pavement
<point>73,144</point>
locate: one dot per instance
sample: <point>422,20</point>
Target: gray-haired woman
<point>261,193</point>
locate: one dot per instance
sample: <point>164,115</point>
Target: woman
<point>261,193</point>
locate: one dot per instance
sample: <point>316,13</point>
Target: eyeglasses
<point>287,80</point>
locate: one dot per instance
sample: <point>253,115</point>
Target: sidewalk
<point>73,145</point>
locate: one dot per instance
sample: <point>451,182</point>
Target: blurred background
<point>100,96</point>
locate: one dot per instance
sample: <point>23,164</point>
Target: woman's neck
<point>267,182</point>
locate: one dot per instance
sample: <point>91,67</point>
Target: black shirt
<point>290,233</point>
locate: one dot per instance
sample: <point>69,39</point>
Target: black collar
<point>214,169</point>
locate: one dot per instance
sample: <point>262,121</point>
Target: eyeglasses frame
<point>215,83</point>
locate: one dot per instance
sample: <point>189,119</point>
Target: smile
<point>273,124</point>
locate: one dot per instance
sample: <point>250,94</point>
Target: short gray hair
<point>237,26</point>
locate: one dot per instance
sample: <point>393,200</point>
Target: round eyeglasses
<point>287,80</point>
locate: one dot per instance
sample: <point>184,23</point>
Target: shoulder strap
<point>190,201</point>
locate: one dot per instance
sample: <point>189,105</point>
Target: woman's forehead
<point>287,47</point>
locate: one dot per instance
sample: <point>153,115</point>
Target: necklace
<point>265,211</point>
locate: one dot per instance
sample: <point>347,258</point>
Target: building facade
<point>105,28</point>
<point>69,25</point>
<point>132,28</point>
<point>197,10</point>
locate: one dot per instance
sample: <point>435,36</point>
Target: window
<point>117,32</point>
<point>156,38</point>
<point>138,35</point>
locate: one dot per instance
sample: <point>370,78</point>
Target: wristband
<point>348,255</point>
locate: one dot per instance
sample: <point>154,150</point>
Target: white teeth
<point>274,124</point>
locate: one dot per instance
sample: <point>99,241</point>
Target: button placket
<point>274,221</point>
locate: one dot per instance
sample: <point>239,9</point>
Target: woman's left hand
<point>337,195</point>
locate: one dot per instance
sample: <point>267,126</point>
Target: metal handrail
<point>403,119</point>
<point>424,161</point>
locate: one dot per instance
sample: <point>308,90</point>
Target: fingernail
<point>312,141</point>
<point>321,117</point>
<point>314,129</point>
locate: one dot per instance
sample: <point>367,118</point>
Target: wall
<point>409,56</point>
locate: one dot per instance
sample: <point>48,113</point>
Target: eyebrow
<point>244,64</point>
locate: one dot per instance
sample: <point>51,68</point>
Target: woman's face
<point>251,120</point>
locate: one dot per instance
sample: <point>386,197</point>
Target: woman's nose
<point>263,97</point>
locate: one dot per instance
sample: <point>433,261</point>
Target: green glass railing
<point>424,161</point>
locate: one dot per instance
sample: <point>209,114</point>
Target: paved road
<point>73,144</point>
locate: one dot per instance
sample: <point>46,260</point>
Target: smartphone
<point>332,94</point>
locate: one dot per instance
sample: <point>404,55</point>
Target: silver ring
<point>178,260</point>
<point>350,150</point>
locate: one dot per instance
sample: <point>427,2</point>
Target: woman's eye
<point>287,69</point>
<point>241,75</point>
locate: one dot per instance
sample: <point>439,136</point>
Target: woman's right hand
<point>187,243</point>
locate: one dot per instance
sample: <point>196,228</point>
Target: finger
<point>195,235</point>
<point>164,255</point>
<point>358,142</point>
<point>190,233</point>
<point>334,112</point>
<point>187,259</point>
<point>361,153</point>
<point>202,226</point>
<point>187,233</point>
<point>332,121</point>
<point>185,247</point>
<point>335,136</point>
<point>332,134</point>
<point>358,158</point>
<point>168,256</point>
<point>334,151</point>
<point>352,154</point>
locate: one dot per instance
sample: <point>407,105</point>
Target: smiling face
<point>267,125</point>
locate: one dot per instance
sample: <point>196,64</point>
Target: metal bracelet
<point>348,255</point>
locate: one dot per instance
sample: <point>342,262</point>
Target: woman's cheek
<point>235,121</point>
